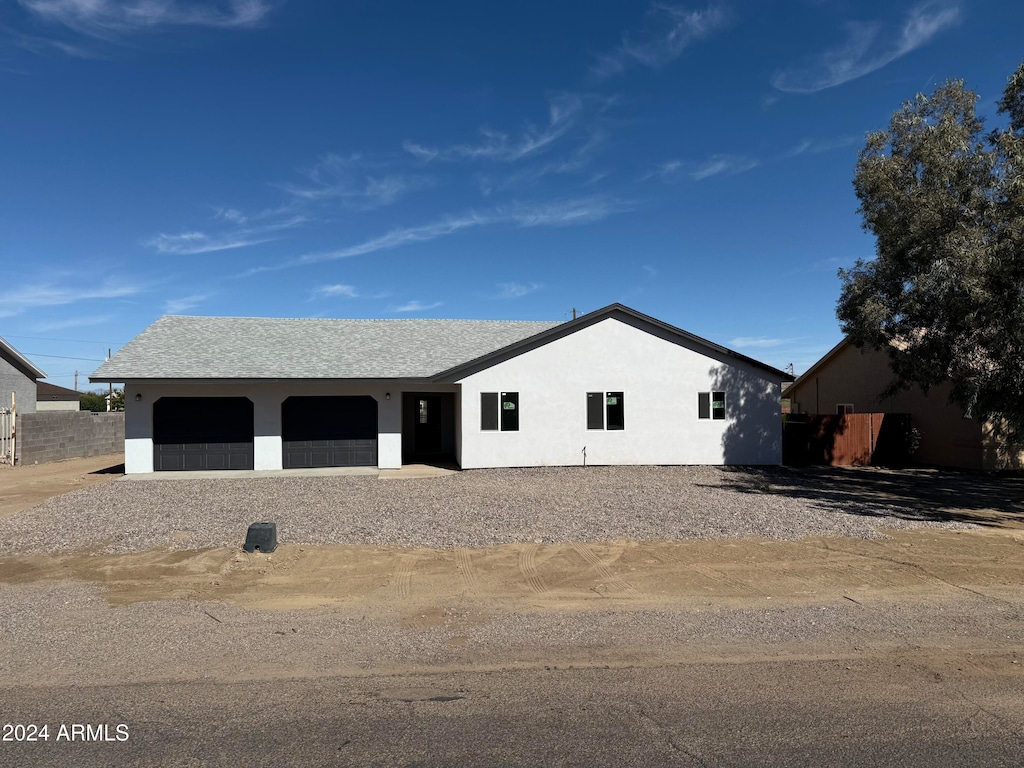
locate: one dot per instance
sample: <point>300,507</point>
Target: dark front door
<point>428,425</point>
<point>329,432</point>
<point>202,433</point>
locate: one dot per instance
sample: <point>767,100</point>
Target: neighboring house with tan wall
<point>50,397</point>
<point>849,380</point>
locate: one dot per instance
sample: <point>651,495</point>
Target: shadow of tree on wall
<point>910,494</point>
<point>753,432</point>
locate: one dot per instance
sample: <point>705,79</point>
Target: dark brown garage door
<point>329,431</point>
<point>202,433</point>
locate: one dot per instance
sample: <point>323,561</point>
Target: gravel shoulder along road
<point>473,508</point>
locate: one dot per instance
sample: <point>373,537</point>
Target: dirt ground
<point>870,636</point>
<point>560,577</point>
<point>25,486</point>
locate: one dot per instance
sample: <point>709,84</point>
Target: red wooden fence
<point>848,440</point>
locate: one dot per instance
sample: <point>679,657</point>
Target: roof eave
<point>21,360</point>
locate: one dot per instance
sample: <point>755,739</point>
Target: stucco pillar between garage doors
<point>267,449</point>
<point>389,428</point>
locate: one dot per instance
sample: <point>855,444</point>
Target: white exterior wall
<point>267,397</point>
<point>660,381</point>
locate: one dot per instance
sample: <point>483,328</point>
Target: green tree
<point>97,401</point>
<point>944,296</point>
<point>92,401</point>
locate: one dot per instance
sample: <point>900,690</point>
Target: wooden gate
<point>848,440</point>
<point>7,423</point>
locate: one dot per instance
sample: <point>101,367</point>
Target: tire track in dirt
<point>464,561</point>
<point>401,580</point>
<point>598,565</point>
<point>718,576</point>
<point>528,567</point>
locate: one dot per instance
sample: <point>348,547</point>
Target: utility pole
<point>76,381</point>
<point>110,398</point>
<point>574,313</point>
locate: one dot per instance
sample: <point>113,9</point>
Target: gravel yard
<point>468,509</point>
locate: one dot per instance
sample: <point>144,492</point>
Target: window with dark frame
<point>615,411</point>
<point>509,411</point>
<point>844,408</point>
<point>711,405</point>
<point>489,411</point>
<point>499,411</point>
<point>605,410</point>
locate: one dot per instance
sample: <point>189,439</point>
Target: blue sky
<point>466,160</point>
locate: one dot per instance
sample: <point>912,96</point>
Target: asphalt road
<point>769,713</point>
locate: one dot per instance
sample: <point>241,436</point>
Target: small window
<point>509,411</point>
<point>718,405</point>
<point>615,411</point>
<point>605,410</point>
<point>489,411</point>
<point>424,413</point>
<point>711,405</point>
<point>842,408</point>
<point>703,405</point>
<point>595,410</point>
<point>499,410</point>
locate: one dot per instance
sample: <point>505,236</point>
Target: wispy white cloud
<point>868,47</point>
<point>759,342</point>
<point>516,290</point>
<point>73,322</point>
<point>233,215</point>
<point>417,306</point>
<point>176,306</point>
<point>669,169</point>
<point>113,18</point>
<point>352,181</point>
<point>729,165</point>
<point>195,243</point>
<point>44,45</point>
<point>818,146</point>
<point>563,111</point>
<point>333,291</point>
<point>651,271</point>
<point>669,30</point>
<point>551,214</point>
<point>16,301</point>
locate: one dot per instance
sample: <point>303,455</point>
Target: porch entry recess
<point>428,426</point>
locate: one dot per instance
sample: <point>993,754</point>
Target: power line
<point>77,341</point>
<point>65,357</point>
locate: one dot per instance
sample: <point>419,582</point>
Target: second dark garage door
<point>329,432</point>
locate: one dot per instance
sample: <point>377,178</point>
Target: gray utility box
<point>262,537</point>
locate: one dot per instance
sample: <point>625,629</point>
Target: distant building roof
<point>47,391</point>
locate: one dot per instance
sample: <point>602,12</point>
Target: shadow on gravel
<point>116,469</point>
<point>911,494</point>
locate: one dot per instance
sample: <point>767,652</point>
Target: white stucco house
<point>611,387</point>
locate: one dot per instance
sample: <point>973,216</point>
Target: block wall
<point>47,436</point>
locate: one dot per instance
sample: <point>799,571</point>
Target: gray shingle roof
<point>176,347</point>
